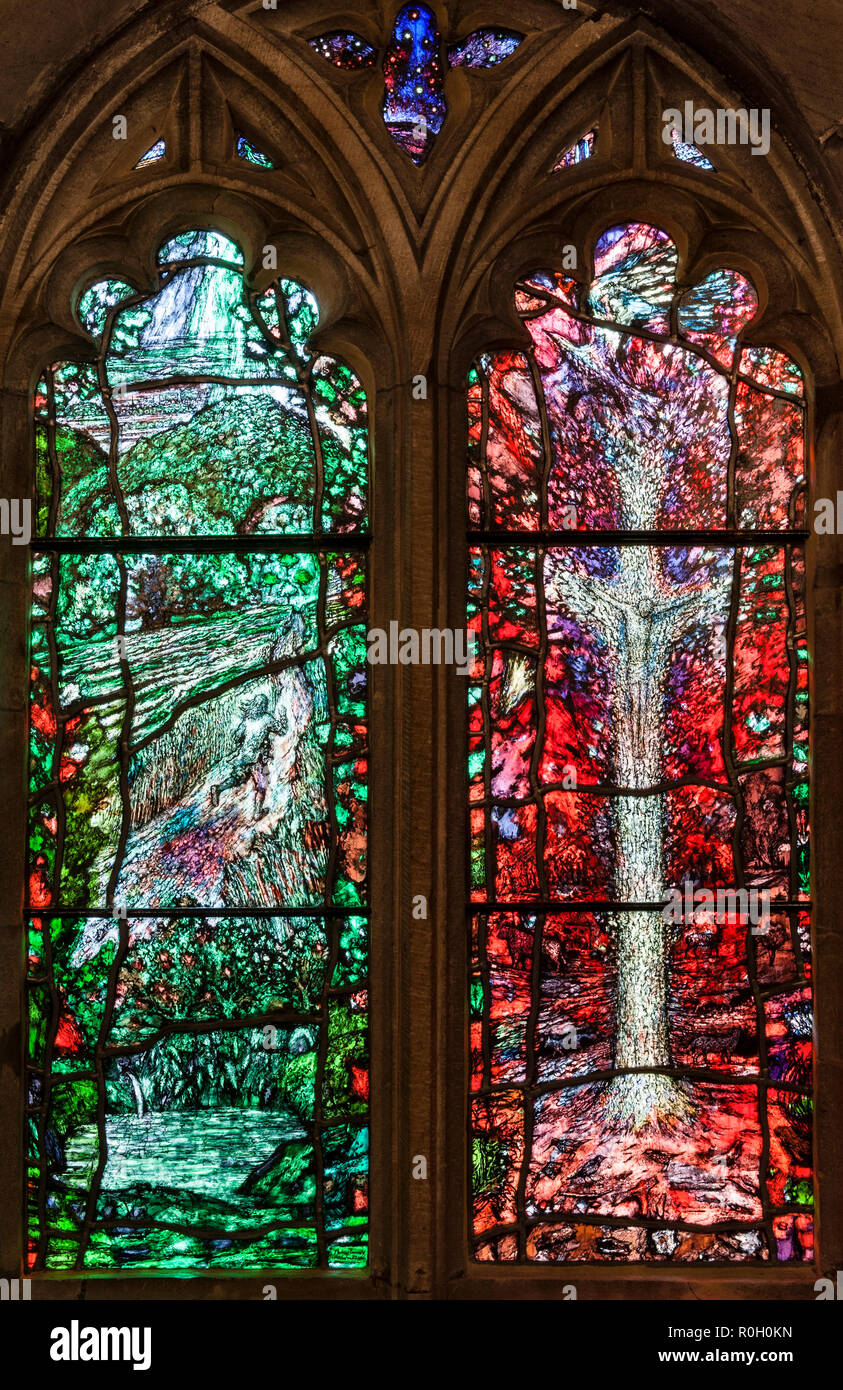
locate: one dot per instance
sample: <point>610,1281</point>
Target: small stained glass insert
<point>690,154</point>
<point>484,48</point>
<point>245,149</point>
<point>153,154</point>
<point>344,49</point>
<point>579,151</point>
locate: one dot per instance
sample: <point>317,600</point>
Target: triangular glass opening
<point>153,154</point>
<point>246,150</point>
<point>690,154</point>
<point>576,153</point>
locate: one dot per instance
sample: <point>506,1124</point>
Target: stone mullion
<point>416,688</point>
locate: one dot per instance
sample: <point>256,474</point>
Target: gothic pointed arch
<point>527,260</point>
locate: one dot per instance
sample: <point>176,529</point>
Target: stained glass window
<point>576,153</point>
<point>344,49</point>
<point>414,106</point>
<point>484,48</point>
<point>690,154</point>
<point>640,942</point>
<point>246,150</point>
<point>197,899</point>
<point>153,154</point>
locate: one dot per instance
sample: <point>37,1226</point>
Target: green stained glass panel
<point>198,925</point>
